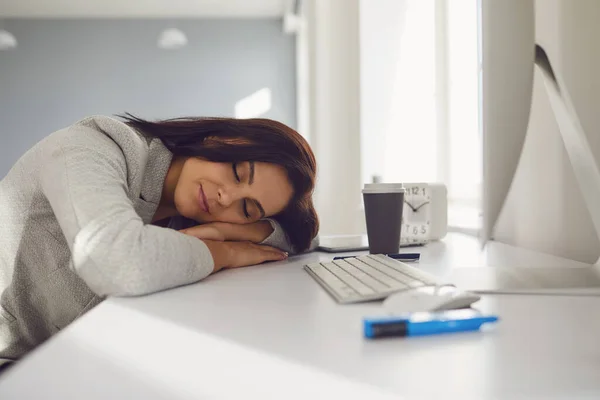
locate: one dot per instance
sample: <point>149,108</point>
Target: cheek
<point>283,196</point>
<point>189,178</point>
<point>185,199</point>
<point>231,215</point>
<point>230,218</point>
<point>186,191</point>
<point>193,170</point>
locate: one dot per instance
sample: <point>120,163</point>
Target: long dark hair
<point>238,140</point>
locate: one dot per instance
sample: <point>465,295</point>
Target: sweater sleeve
<point>279,239</point>
<point>112,249</point>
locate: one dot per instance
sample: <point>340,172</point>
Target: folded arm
<point>267,232</point>
<point>112,249</point>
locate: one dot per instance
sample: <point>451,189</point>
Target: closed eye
<point>245,209</point>
<point>235,173</point>
<point>244,202</point>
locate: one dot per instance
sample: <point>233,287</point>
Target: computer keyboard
<point>369,277</point>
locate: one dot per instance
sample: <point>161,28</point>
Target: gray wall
<point>64,70</point>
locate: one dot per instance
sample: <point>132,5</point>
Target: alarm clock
<point>425,213</point>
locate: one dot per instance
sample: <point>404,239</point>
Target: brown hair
<point>238,140</point>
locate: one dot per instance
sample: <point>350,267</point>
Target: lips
<point>202,200</point>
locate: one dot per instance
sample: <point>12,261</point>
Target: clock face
<point>416,216</point>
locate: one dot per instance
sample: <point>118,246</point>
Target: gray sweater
<point>75,216</point>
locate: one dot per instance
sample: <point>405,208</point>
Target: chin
<point>187,210</point>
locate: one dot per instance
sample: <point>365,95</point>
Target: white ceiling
<point>142,8</point>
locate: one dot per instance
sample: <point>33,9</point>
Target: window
<point>419,99</point>
<point>464,139</point>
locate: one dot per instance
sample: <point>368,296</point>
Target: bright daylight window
<point>433,114</point>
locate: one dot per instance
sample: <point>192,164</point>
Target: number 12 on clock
<point>416,215</point>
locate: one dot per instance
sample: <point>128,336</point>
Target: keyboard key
<point>340,288</point>
<point>422,276</point>
<point>385,281</point>
<point>398,276</point>
<point>350,280</point>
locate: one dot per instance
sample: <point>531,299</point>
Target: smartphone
<point>347,243</point>
<point>343,243</point>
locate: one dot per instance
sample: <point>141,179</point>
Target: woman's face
<point>237,193</point>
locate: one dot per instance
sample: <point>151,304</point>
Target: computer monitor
<point>509,53</point>
<point>507,38</point>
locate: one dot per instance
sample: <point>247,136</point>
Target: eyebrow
<point>251,178</point>
<point>250,182</point>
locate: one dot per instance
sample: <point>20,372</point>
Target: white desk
<point>272,332</point>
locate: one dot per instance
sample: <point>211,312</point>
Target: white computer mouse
<point>429,298</point>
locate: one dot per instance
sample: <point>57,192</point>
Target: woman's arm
<point>255,232</point>
<point>84,177</point>
<point>266,232</point>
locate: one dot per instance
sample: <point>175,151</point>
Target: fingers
<point>269,248</point>
<point>272,254</point>
<point>231,254</point>
<point>276,256</point>
<point>274,249</point>
<point>268,253</point>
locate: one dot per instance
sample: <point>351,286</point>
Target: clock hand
<point>411,206</point>
<point>417,209</point>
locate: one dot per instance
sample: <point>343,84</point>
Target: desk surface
<point>271,331</point>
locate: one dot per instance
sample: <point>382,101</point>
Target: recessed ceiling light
<point>171,39</point>
<point>7,40</point>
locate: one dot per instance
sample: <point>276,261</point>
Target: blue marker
<point>426,323</point>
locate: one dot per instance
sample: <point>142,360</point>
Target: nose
<point>227,196</point>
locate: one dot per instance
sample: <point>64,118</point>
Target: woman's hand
<point>233,245</point>
<point>255,232</point>
<point>241,254</point>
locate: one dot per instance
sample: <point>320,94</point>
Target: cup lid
<point>383,188</point>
